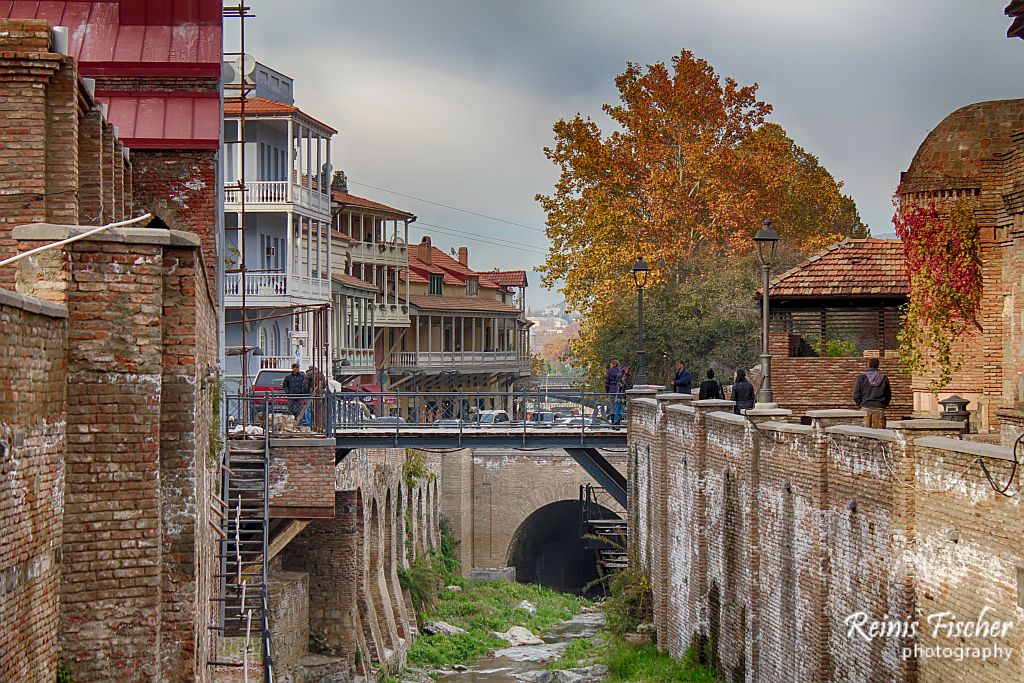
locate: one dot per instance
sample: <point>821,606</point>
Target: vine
<point>944,266</point>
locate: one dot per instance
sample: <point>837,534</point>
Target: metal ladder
<point>242,608</point>
<point>605,534</point>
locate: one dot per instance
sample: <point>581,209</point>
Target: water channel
<point>505,664</point>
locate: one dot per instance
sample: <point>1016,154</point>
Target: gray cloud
<point>453,100</point>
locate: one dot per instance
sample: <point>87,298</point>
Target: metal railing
<point>427,359</point>
<point>258,192</point>
<point>277,413</point>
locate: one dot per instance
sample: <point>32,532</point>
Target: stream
<point>504,664</point>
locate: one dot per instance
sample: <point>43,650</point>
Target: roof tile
<point>853,267</point>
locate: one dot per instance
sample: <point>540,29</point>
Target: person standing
<point>611,385</point>
<point>295,384</point>
<point>625,384</point>
<point>710,388</point>
<point>742,392</point>
<point>681,383</point>
<point>872,393</point>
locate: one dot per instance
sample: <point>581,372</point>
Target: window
<point>472,285</point>
<point>436,284</point>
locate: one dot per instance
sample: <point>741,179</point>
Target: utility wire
<point>448,206</point>
<point>497,241</point>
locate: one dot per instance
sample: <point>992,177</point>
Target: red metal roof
<point>852,268</point>
<point>165,120</point>
<point>134,37</point>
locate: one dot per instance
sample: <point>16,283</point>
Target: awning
<point>148,120</point>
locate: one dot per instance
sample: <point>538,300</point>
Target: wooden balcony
<point>276,195</point>
<point>276,288</point>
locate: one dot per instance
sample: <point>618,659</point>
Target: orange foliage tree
<point>687,173</point>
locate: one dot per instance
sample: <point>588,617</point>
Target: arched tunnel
<point>548,549</point>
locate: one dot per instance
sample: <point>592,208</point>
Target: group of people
<point>617,381</point>
<point>871,391</point>
<point>298,383</point>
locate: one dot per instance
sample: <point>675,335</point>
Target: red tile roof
<point>262,106</point>
<point>461,303</point>
<point>865,268</point>
<point>346,199</point>
<point>165,120</point>
<point>134,37</point>
<point>508,278</point>
<point>354,282</point>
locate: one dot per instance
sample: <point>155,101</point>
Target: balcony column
<point>291,163</point>
<point>319,165</point>
<point>290,260</point>
<point>417,347</point>
<point>430,335</point>
<point>462,333</point>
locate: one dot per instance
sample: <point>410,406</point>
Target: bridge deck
<point>412,436</point>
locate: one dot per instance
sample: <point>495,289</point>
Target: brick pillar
<point>632,492</point>
<point>659,518</point>
<point>90,167</point>
<point>61,150</point>
<point>904,518</point>
<point>27,66</point>
<point>118,181</point>
<point>107,161</point>
<point>821,627</point>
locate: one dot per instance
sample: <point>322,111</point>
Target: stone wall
<point>385,518</point>
<point>33,348</point>
<point>772,534</point>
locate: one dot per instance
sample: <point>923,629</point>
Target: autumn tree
<point>686,174</point>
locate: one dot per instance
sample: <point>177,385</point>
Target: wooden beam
<point>278,543</point>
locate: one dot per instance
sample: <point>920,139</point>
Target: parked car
<point>543,418</point>
<point>490,418</point>
<point>389,420</point>
<point>448,422</point>
<point>582,421</point>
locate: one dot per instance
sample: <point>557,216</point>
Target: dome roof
<point>952,154</point>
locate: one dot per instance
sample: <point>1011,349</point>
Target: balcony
<point>381,253</point>
<point>274,289</point>
<point>361,362</point>
<point>276,195</point>
<point>461,360</point>
<point>390,315</point>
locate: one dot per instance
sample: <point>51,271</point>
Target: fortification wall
<point>781,544</point>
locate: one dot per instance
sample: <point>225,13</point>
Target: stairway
<point>241,612</point>
<point>606,534</point>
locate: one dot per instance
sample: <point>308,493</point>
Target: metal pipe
<point>764,395</point>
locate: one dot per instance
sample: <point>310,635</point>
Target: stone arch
<point>367,608</point>
<point>549,549</point>
<point>391,566</point>
<point>378,584</point>
<point>435,515</point>
<point>421,546</point>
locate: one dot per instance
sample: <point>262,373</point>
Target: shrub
<point>629,603</point>
<point>64,673</point>
<point>422,580</point>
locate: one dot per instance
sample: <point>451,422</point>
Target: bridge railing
<point>534,408</point>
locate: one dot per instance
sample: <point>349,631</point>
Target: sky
<point>453,101</point>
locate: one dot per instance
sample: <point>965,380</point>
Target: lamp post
<point>766,239</point>
<point>640,272</point>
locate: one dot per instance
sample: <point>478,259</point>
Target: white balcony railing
<point>275,284</point>
<point>360,360</point>
<point>263,192</point>
<point>280,362</point>
<point>436,359</point>
<point>386,253</point>
<point>391,314</point>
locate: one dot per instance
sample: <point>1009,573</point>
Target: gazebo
<point>829,315</point>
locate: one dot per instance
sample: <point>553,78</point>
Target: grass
<point>644,664</point>
<point>482,607</point>
<point>580,652</point>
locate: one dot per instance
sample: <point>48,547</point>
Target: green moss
<point>65,674</point>
<point>579,652</point>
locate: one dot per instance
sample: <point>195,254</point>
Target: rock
<point>453,589</point>
<point>638,638</point>
<point>646,628</point>
<point>517,636</point>
<point>460,668</point>
<point>527,606</point>
<point>591,674</point>
<point>442,628</point>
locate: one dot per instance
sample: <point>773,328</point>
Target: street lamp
<point>766,240</point>
<point>640,272</point>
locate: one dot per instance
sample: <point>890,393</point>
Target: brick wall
<point>302,478</point>
<point>353,559</point>
<point>289,622</point>
<point>32,429</point>
<point>137,549</point>
<point>816,383</point>
<point>777,533</point>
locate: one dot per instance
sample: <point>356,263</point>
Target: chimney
<point>424,249</point>
<point>464,256</point>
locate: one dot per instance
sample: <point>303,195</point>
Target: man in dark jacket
<point>295,384</point>
<point>681,383</point>
<point>742,392</point>
<point>872,393</point>
<point>611,386</point>
<point>710,388</point>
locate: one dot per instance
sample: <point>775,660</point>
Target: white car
<point>489,418</point>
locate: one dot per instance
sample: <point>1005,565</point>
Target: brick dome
<point>951,157</point>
